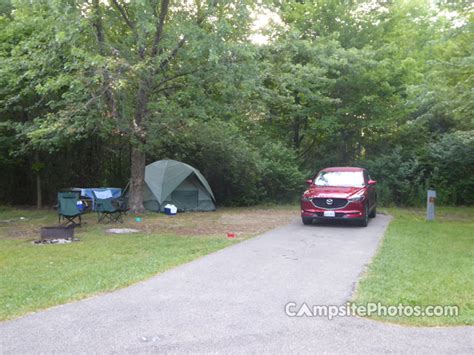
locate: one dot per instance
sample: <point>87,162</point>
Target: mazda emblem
<point>329,201</point>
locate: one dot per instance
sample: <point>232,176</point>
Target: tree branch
<point>306,151</point>
<point>173,53</point>
<point>171,78</point>
<point>159,27</point>
<point>124,14</point>
<point>200,19</point>
<point>109,95</point>
<point>203,68</point>
<point>170,87</point>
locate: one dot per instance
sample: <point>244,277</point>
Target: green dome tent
<point>170,181</point>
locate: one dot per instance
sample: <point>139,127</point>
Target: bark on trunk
<point>39,194</point>
<point>137,180</point>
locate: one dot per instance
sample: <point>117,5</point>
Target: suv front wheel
<point>365,221</point>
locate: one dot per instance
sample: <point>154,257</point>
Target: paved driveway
<point>233,301</point>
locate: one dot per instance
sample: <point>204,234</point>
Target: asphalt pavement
<point>233,301</point>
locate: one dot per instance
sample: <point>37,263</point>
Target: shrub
<point>401,178</point>
<point>239,172</point>
<point>450,161</point>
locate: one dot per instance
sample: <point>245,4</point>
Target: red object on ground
<point>230,235</point>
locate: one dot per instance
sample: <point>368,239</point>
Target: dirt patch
<point>244,222</point>
<point>20,233</point>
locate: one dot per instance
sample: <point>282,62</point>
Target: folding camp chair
<point>110,210</point>
<point>68,209</point>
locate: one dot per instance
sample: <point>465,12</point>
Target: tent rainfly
<point>170,181</point>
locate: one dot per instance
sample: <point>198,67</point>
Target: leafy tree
<point>47,90</point>
<point>149,48</point>
<point>108,85</point>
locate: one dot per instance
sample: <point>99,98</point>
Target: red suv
<point>340,193</point>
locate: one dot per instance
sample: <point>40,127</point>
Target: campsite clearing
<point>39,276</point>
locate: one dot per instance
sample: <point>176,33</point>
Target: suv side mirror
<point>372,182</point>
<point>309,182</point>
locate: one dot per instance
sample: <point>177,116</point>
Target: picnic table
<point>87,193</point>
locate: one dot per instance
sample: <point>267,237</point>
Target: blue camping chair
<point>68,209</point>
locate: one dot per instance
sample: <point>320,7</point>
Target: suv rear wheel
<point>373,213</point>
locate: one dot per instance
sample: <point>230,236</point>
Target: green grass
<point>424,263</point>
<point>419,263</point>
<point>34,277</point>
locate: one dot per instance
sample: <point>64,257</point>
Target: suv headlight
<point>357,198</point>
<point>306,199</point>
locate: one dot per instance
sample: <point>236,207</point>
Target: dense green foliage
<point>387,85</point>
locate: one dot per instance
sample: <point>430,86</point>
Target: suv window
<point>340,178</point>
<point>366,177</point>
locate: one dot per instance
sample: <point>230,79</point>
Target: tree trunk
<point>39,194</point>
<point>138,156</point>
<point>137,180</point>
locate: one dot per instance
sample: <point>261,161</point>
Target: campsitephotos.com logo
<point>349,309</point>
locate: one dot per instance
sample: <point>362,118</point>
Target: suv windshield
<point>340,178</point>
